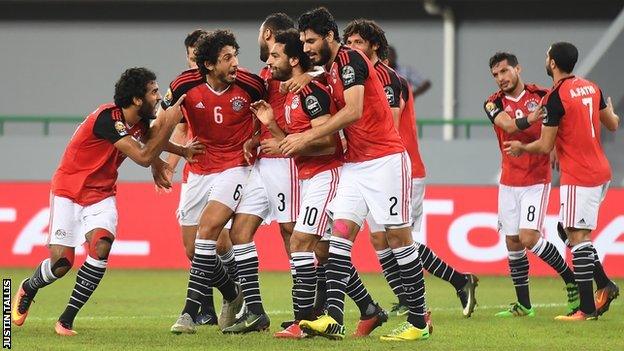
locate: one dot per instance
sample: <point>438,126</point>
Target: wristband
<point>522,123</point>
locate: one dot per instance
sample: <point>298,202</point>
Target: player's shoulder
<point>495,97</point>
<point>253,84</point>
<point>108,111</point>
<point>536,89</point>
<point>314,88</point>
<point>265,73</point>
<point>387,74</point>
<point>187,79</point>
<point>348,56</point>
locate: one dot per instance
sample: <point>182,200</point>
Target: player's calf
<point>88,278</point>
<point>49,270</point>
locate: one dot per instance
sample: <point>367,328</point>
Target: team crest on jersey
<point>312,105</point>
<point>389,95</point>
<point>238,103</point>
<point>348,75</point>
<point>120,127</point>
<point>295,103</point>
<point>168,97</point>
<point>60,233</point>
<point>531,105</point>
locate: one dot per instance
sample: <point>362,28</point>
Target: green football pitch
<point>133,310</point>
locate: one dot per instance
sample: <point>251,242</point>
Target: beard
<point>324,54</point>
<point>264,52</point>
<point>549,71</point>
<point>146,111</point>
<point>282,74</point>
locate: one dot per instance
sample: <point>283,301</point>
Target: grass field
<point>133,310</point>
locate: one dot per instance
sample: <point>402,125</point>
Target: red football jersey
<point>574,105</point>
<point>87,173</point>
<point>408,131</point>
<point>276,100</point>
<point>528,169</point>
<point>313,101</point>
<point>222,121</point>
<point>373,135</point>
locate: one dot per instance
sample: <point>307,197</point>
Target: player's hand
<point>609,107</point>
<point>173,114</point>
<point>294,143</point>
<point>162,172</point>
<point>192,148</point>
<point>554,160</point>
<point>250,151</point>
<point>270,147</point>
<point>538,114</point>
<point>295,84</point>
<point>263,111</point>
<point>513,148</point>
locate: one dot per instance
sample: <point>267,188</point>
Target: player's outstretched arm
<point>349,114</point>
<point>159,136</point>
<point>188,151</point>
<point>179,136</point>
<point>543,145</point>
<point>321,146</point>
<point>608,118</point>
<point>264,113</point>
<point>512,125</point>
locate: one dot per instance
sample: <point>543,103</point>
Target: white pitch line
<point>284,312</point>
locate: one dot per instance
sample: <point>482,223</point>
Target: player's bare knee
<point>300,242</point>
<point>379,241</point>
<point>399,235</point>
<point>341,229</point>
<point>513,243</point>
<point>528,238</point>
<point>100,244</point>
<point>62,261</point>
<point>321,251</point>
<point>208,231</point>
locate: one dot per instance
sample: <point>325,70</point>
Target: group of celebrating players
<point>322,140</point>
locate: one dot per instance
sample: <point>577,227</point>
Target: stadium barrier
<point>460,225</point>
<point>46,121</point>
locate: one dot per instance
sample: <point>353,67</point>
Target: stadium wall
<point>460,225</point>
<point>68,68</point>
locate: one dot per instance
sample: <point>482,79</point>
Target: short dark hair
<point>370,31</point>
<point>319,20</point>
<point>565,56</point>
<point>512,60</point>
<point>192,37</point>
<point>132,83</point>
<point>293,47</point>
<point>209,46</point>
<point>278,21</point>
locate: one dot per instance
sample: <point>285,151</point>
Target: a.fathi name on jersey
<point>582,91</point>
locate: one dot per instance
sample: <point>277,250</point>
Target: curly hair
<point>132,83</point>
<point>293,47</point>
<point>370,31</point>
<point>209,46</point>
<point>320,21</point>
